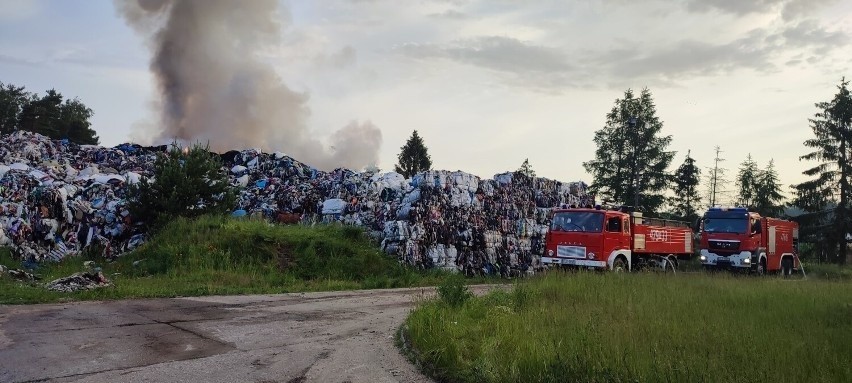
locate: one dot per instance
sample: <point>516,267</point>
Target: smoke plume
<point>214,86</point>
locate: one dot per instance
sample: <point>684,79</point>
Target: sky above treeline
<point>486,83</point>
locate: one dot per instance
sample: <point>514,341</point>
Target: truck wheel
<point>619,265</point>
<point>786,267</point>
<point>761,267</point>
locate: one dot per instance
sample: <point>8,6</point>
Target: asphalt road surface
<point>311,337</point>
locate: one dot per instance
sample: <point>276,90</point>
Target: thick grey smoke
<point>215,88</point>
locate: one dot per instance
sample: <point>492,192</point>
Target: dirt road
<point>313,337</point>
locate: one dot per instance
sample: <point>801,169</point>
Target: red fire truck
<point>615,240</point>
<point>737,239</point>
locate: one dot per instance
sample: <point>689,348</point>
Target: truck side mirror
<point>756,228</point>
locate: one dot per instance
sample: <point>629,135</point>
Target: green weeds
<point>600,327</point>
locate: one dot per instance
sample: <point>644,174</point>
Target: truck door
<point>614,235</point>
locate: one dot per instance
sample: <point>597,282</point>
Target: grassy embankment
<point>590,327</point>
<point>215,255</point>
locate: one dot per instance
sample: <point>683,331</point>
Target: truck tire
<point>619,265</point>
<point>761,267</point>
<point>786,267</point>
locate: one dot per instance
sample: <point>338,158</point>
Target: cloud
<point>810,34</point>
<point>345,57</point>
<point>450,14</point>
<point>17,10</point>
<point>504,54</point>
<point>790,9</point>
<point>688,57</point>
<point>4,58</point>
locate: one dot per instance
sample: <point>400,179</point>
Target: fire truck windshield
<point>578,221</point>
<point>726,225</point>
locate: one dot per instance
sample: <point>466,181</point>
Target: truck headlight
<point>703,258</point>
<point>747,260</point>
<point>591,255</point>
<point>550,253</point>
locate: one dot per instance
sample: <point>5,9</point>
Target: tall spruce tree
<point>831,144</point>
<point>748,180</point>
<point>686,183</point>
<point>631,158</point>
<point>768,198</point>
<point>413,157</point>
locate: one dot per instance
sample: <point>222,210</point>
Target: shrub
<point>453,291</point>
<point>187,182</point>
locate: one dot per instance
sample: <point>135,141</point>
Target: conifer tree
<point>831,144</point>
<point>631,158</point>
<point>413,157</point>
<point>686,183</point>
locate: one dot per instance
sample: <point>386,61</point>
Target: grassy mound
<point>218,255</point>
<point>591,327</point>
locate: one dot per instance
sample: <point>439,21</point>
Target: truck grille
<point>725,245</point>
<point>571,251</point>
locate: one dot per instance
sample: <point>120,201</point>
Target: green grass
<point>602,327</point>
<point>215,255</point>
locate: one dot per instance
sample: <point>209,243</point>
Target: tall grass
<point>218,255</point>
<point>648,328</point>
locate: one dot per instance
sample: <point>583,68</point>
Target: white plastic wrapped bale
<point>465,181</point>
<point>411,197</point>
<point>106,178</point>
<point>389,180</point>
<point>503,178</point>
<point>132,178</point>
<point>461,198</point>
<point>333,206</point>
<point>19,166</point>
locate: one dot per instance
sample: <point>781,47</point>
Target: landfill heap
<point>59,198</point>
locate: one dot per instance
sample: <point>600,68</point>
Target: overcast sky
<point>489,83</point>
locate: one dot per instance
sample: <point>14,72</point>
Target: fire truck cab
<point>737,239</point>
<point>615,240</point>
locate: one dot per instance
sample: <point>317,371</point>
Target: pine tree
<point>413,157</point>
<point>768,199</point>
<point>831,144</point>
<point>686,181</point>
<point>631,158</point>
<point>188,182</point>
<point>747,182</point>
<point>526,170</point>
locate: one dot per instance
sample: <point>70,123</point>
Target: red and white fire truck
<point>737,239</point>
<point>615,240</point>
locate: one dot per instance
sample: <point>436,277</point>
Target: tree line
<point>50,114</point>
<point>632,163</point>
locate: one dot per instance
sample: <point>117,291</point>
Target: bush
<point>187,182</point>
<point>453,291</point>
